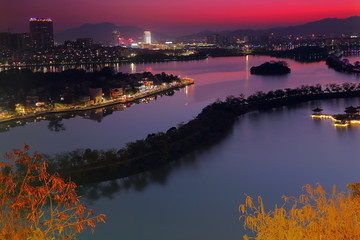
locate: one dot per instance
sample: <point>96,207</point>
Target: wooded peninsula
<point>213,123</point>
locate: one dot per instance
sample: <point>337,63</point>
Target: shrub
<point>37,205</point>
<point>314,215</point>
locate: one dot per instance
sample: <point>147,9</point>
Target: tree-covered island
<point>24,93</point>
<point>271,68</point>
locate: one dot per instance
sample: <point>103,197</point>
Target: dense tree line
<point>155,150</point>
<point>221,52</point>
<point>210,126</point>
<point>300,54</point>
<point>343,65</point>
<point>158,56</point>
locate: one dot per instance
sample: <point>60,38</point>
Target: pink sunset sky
<point>173,17</point>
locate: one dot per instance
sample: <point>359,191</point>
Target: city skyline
<point>188,17</point>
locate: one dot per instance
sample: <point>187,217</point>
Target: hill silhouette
<point>325,26</point>
<point>103,32</point>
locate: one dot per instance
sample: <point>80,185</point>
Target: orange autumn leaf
<point>28,193</point>
<point>313,215</point>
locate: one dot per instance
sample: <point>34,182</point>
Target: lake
<point>272,153</point>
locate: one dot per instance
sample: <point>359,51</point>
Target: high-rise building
<point>147,37</point>
<point>41,32</point>
<point>15,40</point>
<point>116,38</point>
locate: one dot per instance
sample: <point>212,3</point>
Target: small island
<point>271,68</point>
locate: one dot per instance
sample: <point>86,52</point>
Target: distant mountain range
<point>103,31</point>
<point>324,26</point>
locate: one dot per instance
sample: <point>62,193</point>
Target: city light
<point>40,19</point>
<point>337,122</point>
<point>147,37</point>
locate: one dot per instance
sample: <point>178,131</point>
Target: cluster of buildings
<point>41,36</point>
<point>273,42</point>
<point>38,47</point>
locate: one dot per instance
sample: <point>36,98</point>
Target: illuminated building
<point>154,46</point>
<point>41,32</point>
<point>116,38</point>
<point>147,37</point>
<point>96,94</point>
<point>116,92</point>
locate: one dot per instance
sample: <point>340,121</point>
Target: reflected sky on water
<point>269,153</point>
<point>214,78</point>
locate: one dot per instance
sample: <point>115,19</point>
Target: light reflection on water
<point>269,153</point>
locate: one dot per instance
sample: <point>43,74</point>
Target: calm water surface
<point>269,153</point>
<point>214,78</point>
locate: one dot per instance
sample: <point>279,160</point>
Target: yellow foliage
<point>37,205</point>
<point>313,215</point>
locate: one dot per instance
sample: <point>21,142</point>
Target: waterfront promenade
<point>78,108</point>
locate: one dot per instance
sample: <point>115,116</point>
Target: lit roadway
<point>5,117</point>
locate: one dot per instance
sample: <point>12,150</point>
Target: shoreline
<point>210,126</point>
<point>184,82</point>
<point>339,120</point>
<point>126,61</point>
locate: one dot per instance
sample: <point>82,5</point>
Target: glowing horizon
<point>186,17</point>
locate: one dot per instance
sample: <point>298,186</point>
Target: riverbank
<point>184,82</point>
<point>92,63</point>
<point>300,54</point>
<point>209,127</point>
